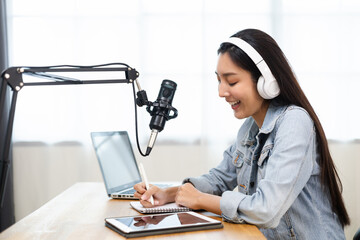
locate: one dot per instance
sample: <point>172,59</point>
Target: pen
<point>144,178</point>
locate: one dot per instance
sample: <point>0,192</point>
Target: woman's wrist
<point>209,203</point>
<point>170,194</point>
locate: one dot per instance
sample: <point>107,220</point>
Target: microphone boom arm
<point>12,83</point>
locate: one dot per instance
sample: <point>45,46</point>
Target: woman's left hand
<point>188,196</point>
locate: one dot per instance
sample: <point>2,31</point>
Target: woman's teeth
<point>234,103</point>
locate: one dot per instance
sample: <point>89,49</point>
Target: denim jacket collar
<point>272,115</point>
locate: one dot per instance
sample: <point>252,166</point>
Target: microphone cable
<point>136,123</point>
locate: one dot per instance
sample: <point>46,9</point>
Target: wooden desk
<point>79,212</point>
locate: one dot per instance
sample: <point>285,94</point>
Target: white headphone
<point>267,85</point>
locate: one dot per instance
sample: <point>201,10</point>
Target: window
<point>176,40</point>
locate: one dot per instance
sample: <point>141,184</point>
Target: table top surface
<point>79,213</point>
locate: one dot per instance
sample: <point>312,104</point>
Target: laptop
<point>118,164</point>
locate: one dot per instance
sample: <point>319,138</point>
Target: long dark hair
<point>290,93</point>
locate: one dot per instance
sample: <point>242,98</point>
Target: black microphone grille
<point>169,83</point>
<point>167,91</point>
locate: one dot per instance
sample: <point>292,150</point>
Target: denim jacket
<point>278,177</point>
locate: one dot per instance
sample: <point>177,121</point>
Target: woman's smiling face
<point>239,90</point>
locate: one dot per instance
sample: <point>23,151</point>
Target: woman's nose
<point>223,90</point>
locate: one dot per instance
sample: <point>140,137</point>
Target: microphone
<point>161,110</point>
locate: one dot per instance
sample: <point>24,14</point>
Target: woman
<point>280,162</point>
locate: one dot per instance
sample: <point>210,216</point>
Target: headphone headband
<point>247,48</point>
<point>267,87</point>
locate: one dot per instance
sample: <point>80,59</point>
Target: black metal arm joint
<point>13,77</point>
<point>132,74</point>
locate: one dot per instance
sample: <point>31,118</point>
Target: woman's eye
<point>232,84</point>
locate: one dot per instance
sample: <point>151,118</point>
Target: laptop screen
<point>116,159</point>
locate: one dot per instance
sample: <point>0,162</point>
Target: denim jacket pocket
<point>238,159</point>
<point>262,161</point>
<point>238,162</point>
<point>264,155</point>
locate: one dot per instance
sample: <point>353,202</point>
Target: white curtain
<point>176,40</point>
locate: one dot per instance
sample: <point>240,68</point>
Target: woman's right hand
<point>160,195</point>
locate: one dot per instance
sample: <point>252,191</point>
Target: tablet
<point>144,225</point>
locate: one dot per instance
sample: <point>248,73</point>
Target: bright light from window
<point>176,40</point>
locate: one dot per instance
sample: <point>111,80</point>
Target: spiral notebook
<point>170,207</point>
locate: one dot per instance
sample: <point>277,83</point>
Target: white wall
<point>41,171</point>
<point>347,160</point>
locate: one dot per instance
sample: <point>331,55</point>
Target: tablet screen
<point>163,221</point>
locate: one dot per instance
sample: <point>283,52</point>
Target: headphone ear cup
<point>261,87</point>
<point>269,89</point>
